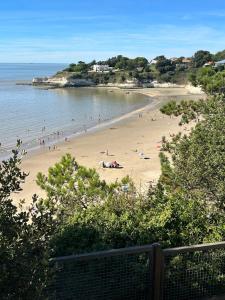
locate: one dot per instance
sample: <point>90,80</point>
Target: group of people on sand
<point>113,164</point>
<point>54,147</point>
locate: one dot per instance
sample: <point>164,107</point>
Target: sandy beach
<point>123,139</point>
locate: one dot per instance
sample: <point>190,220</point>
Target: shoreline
<point>51,139</point>
<point>91,130</point>
<point>154,104</point>
<point>139,131</point>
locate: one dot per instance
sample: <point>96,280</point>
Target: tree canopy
<point>219,56</point>
<point>164,65</point>
<point>201,57</point>
<point>211,80</point>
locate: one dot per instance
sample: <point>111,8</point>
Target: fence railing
<point>143,272</point>
<point>194,272</point>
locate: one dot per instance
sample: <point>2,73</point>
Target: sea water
<point>41,117</point>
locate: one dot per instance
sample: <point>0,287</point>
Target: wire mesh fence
<point>117,276</point>
<point>194,274</point>
<point>141,273</point>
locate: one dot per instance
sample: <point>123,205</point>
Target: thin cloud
<point>165,39</point>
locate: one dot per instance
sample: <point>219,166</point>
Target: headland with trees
<point>137,72</point>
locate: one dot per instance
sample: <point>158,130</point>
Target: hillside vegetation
<point>161,69</point>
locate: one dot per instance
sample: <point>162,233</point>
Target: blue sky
<point>72,30</point>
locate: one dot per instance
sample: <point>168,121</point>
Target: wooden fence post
<point>158,272</point>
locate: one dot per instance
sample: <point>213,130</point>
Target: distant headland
<point>124,72</point>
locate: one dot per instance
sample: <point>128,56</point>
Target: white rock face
<point>165,85</point>
<point>39,80</point>
<point>194,90</point>
<point>62,81</point>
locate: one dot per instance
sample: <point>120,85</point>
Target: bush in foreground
<point>24,237</point>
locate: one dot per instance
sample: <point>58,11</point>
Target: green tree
<point>81,67</point>
<point>219,56</point>
<point>201,57</point>
<point>198,158</point>
<point>164,65</point>
<point>171,213</point>
<point>73,187</point>
<point>211,80</point>
<point>24,237</point>
<point>164,216</point>
<point>140,62</point>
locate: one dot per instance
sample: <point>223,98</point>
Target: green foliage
<point>201,57</point>
<point>189,110</point>
<point>198,159</point>
<point>81,67</point>
<point>24,237</point>
<point>72,186</point>
<point>192,78</point>
<point>165,65</point>
<point>211,80</point>
<point>131,68</point>
<point>164,71</point>
<point>168,213</point>
<point>122,221</point>
<point>185,207</point>
<point>219,56</point>
<point>125,63</point>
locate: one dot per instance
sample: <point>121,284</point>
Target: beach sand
<point>123,139</point>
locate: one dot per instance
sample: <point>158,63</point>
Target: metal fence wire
<point>141,273</point>
<point>194,274</point>
<point>107,275</point>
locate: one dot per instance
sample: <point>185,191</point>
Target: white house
<point>220,63</point>
<point>209,63</point>
<point>153,62</point>
<point>101,68</point>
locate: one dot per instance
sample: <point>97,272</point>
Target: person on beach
<point>114,164</point>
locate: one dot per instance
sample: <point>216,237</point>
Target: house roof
<point>221,62</point>
<point>209,63</point>
<point>186,60</point>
